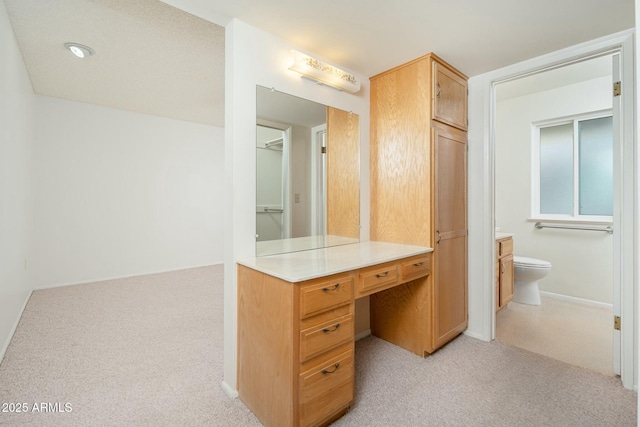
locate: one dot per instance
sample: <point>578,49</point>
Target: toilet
<point>527,272</point>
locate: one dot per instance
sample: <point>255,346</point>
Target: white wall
<point>301,181</point>
<point>582,261</point>
<point>16,200</point>
<point>120,194</point>
<point>254,57</point>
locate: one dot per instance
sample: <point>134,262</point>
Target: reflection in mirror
<point>308,190</point>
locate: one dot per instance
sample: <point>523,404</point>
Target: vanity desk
<point>296,325</point>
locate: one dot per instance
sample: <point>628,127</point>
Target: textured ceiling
<point>150,57</point>
<point>159,59</point>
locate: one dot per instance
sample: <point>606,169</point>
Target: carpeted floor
<point>147,351</point>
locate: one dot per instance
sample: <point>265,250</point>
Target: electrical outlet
<point>296,197</point>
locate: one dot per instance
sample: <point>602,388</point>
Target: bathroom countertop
<point>500,235</point>
<point>306,265</point>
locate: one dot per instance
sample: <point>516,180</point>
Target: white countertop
<point>306,265</point>
<point>500,235</point>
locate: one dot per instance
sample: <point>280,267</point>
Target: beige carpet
<point>578,334</point>
<point>147,351</point>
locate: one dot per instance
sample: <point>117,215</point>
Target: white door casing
<point>481,190</point>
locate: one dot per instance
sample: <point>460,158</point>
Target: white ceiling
<point>150,57</point>
<point>156,59</point>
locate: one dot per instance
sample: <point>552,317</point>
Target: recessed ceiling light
<point>79,50</point>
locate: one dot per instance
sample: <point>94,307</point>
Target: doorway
<point>481,191</point>
<point>272,183</point>
<point>554,190</point>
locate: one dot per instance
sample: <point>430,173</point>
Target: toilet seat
<point>530,262</point>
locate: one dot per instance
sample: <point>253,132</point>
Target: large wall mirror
<point>308,174</point>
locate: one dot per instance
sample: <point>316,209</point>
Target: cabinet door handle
<point>418,264</point>
<point>335,368</point>
<point>438,241</point>
<point>335,327</point>
<point>380,276</point>
<point>438,92</point>
<point>332,288</point>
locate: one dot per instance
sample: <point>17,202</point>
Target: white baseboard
<point>15,326</point>
<point>363,334</point>
<point>577,300</point>
<point>83,282</point>
<point>474,335</point>
<point>229,391</point>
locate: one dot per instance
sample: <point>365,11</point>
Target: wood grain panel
<point>506,247</point>
<point>450,153</point>
<point>504,272</point>
<point>416,267</point>
<point>450,225</point>
<point>326,389</point>
<point>402,315</point>
<point>450,96</point>
<point>450,290</point>
<point>376,278</point>
<point>506,280</point>
<point>400,155</point>
<point>343,173</point>
<point>266,337</point>
<point>325,293</point>
<point>325,336</point>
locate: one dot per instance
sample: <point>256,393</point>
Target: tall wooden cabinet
<point>419,196</point>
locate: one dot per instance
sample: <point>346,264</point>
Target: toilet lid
<point>530,262</point>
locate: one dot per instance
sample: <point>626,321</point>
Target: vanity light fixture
<point>80,50</point>
<point>324,73</point>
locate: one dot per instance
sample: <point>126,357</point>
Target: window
<point>573,168</point>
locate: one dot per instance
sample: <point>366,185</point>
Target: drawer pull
<point>380,276</point>
<point>335,368</point>
<point>332,288</point>
<point>336,326</point>
<point>418,264</point>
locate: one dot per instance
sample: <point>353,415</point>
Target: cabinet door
<point>506,280</point>
<point>449,97</point>
<point>450,224</point>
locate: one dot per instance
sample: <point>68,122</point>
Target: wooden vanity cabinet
<point>504,272</point>
<point>296,339</point>
<point>419,196</point>
<point>296,347</point>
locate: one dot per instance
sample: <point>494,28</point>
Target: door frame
<point>481,189</point>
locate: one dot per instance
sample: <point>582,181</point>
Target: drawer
<point>506,247</point>
<point>377,278</point>
<point>323,337</point>
<point>415,268</point>
<point>326,389</point>
<point>324,295</point>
